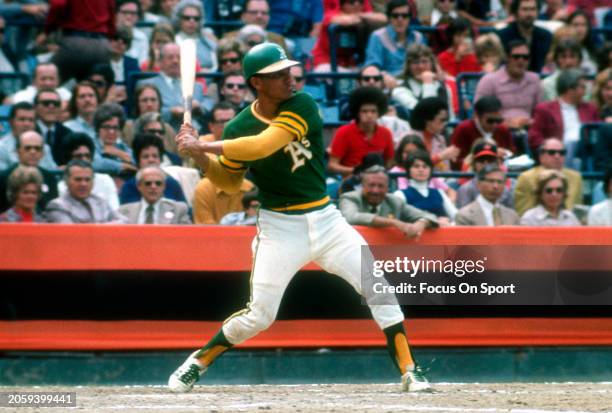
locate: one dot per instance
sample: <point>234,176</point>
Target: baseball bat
<point>188,69</point>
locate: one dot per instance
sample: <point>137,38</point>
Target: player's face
<point>375,188</point>
<point>276,86</point>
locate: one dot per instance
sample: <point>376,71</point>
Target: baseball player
<point>279,138</point>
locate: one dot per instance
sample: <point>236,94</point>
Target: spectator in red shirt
<point>86,27</point>
<point>487,123</point>
<point>363,135</point>
<point>460,57</point>
<point>351,14</point>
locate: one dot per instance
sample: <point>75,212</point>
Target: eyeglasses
<point>299,78</point>
<point>155,131</point>
<point>37,148</point>
<point>50,102</point>
<point>400,15</point>
<point>493,181</point>
<point>128,12</point>
<point>122,40</point>
<point>153,183</point>
<point>252,43</point>
<point>420,62</point>
<point>376,78</point>
<point>192,18</point>
<point>520,56</point>
<point>99,83</point>
<point>82,155</point>
<point>494,121</point>
<point>110,127</point>
<point>553,152</point>
<point>256,12</point>
<point>144,100</point>
<point>232,60</point>
<point>235,86</point>
<point>557,189</point>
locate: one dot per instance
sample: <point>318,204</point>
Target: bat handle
<point>188,107</point>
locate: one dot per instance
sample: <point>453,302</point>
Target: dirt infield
<point>338,398</point>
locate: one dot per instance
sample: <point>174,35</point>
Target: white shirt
<point>487,209</point>
<point>571,122</point>
<point>142,216</point>
<point>117,66</point>
<point>436,15</point>
<point>29,93</point>
<point>139,49</point>
<point>601,214</point>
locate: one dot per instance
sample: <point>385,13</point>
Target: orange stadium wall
<point>53,249</point>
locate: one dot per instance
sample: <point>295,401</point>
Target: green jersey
<point>293,178</point>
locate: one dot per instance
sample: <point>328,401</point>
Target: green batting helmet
<point>266,58</point>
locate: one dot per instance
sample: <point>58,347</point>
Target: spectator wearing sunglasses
<point>518,90</point>
<point>551,156</point>
<point>234,90</point>
<point>188,17</point>
<point>387,45</point>
<point>153,208</point>
<point>149,151</point>
<point>30,149</point>
<point>487,123</point>
<point>564,116</point>
<point>47,107</point>
<point>551,192</point>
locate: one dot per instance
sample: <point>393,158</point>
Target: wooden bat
<point>188,71</point>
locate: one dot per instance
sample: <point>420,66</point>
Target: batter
<point>279,139</point>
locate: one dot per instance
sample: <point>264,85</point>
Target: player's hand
<point>186,140</point>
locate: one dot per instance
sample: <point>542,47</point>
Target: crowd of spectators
<point>524,139</point>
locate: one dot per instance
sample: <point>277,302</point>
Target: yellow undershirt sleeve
<point>251,148</point>
<point>228,182</point>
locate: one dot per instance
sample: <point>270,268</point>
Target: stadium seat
<point>11,82</point>
<point>589,139</point>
